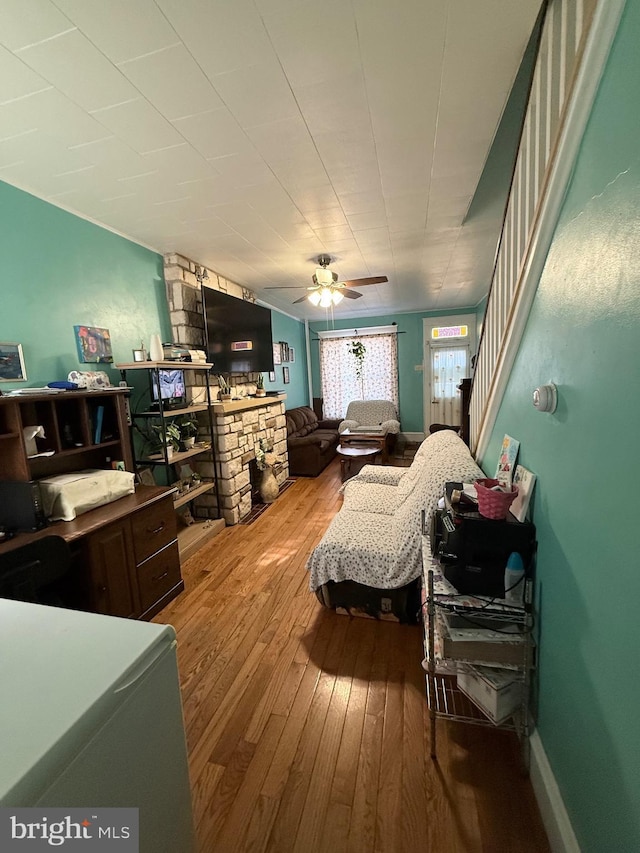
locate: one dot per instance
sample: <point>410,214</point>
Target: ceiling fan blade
<point>302,299</point>
<point>351,294</point>
<point>362,282</point>
<point>287,287</point>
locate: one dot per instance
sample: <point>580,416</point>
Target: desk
<point>124,554</point>
<point>353,458</point>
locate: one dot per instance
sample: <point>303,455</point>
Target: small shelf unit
<point>444,697</point>
<point>167,459</point>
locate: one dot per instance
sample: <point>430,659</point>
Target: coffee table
<point>373,437</point>
<point>354,457</point>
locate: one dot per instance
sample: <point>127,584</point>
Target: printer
<point>473,550</point>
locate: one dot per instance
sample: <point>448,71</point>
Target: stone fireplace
<point>239,424</point>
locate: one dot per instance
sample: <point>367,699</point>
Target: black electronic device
<point>169,386</point>
<point>239,338</point>
<point>21,505</point>
<point>473,550</point>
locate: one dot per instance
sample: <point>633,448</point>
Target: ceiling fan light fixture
<point>337,296</point>
<point>314,297</point>
<point>326,297</point>
<point>324,276</point>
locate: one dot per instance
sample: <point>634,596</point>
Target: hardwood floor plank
<point>309,730</point>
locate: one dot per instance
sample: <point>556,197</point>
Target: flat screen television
<point>239,338</point>
<point>169,387</point>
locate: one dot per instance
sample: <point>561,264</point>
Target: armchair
<point>374,415</point>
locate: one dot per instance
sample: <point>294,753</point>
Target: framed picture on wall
<point>94,345</point>
<point>277,353</point>
<point>292,355</point>
<point>12,363</point>
<point>272,376</point>
<point>284,349</point>
<point>285,375</point>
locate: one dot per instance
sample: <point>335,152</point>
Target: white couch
<point>375,539</point>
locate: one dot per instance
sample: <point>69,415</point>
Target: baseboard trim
<point>556,821</point>
<point>413,437</point>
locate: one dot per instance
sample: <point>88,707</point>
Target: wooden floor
<point>307,730</point>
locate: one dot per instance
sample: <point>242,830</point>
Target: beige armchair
<point>374,416</point>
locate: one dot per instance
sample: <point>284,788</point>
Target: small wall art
<point>277,353</point>
<point>94,345</point>
<point>12,367</point>
<point>272,376</point>
<point>292,355</point>
<point>285,375</point>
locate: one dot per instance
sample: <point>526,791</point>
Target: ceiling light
<point>325,296</point>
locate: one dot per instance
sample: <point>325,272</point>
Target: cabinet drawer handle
<point>157,529</point>
<point>160,577</point>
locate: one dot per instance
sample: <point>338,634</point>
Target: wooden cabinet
<point>83,429</point>
<point>109,556</point>
<point>125,553</point>
<point>134,564</point>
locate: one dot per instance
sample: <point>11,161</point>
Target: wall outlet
<point>418,368</point>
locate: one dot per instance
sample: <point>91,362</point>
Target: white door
<point>448,366</point>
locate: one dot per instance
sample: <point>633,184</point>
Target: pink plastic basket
<point>493,504</point>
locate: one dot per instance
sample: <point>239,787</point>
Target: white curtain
<point>448,369</point>
<point>340,385</point>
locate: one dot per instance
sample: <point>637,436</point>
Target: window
<point>340,383</point>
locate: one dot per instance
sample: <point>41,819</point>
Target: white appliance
<point>91,716</point>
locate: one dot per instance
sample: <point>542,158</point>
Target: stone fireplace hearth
<point>238,425</point>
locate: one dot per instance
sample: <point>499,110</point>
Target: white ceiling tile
<point>307,56</point>
<point>221,36</point>
<point>52,113</point>
<point>367,121</point>
<point>121,29</point>
<point>139,125</point>
<point>173,82</point>
<point>214,133</point>
<point>333,232</point>
<point>256,94</point>
<point>58,59</point>
<point>25,22</point>
<point>17,80</point>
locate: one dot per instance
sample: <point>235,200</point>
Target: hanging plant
<point>358,351</point>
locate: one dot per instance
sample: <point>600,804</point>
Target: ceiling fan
<point>326,290</point>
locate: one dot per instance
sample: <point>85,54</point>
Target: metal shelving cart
<point>443,663</point>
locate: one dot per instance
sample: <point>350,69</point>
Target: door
<point>448,366</point>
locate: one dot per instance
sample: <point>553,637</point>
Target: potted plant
<point>358,351</point>
<point>260,392</point>
<point>225,389</point>
<point>188,426</point>
<point>169,435</point>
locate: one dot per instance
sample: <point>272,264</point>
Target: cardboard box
<point>497,692</point>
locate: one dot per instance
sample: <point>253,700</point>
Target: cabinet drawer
<point>158,575</point>
<point>153,528</point>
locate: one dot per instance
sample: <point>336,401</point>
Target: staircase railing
<point>574,44</point>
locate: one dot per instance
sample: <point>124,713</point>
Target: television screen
<point>239,336</point>
<point>169,386</point>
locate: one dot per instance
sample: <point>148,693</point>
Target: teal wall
<point>410,353</point>
<point>60,271</point>
<point>584,334</point>
<point>288,329</point>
